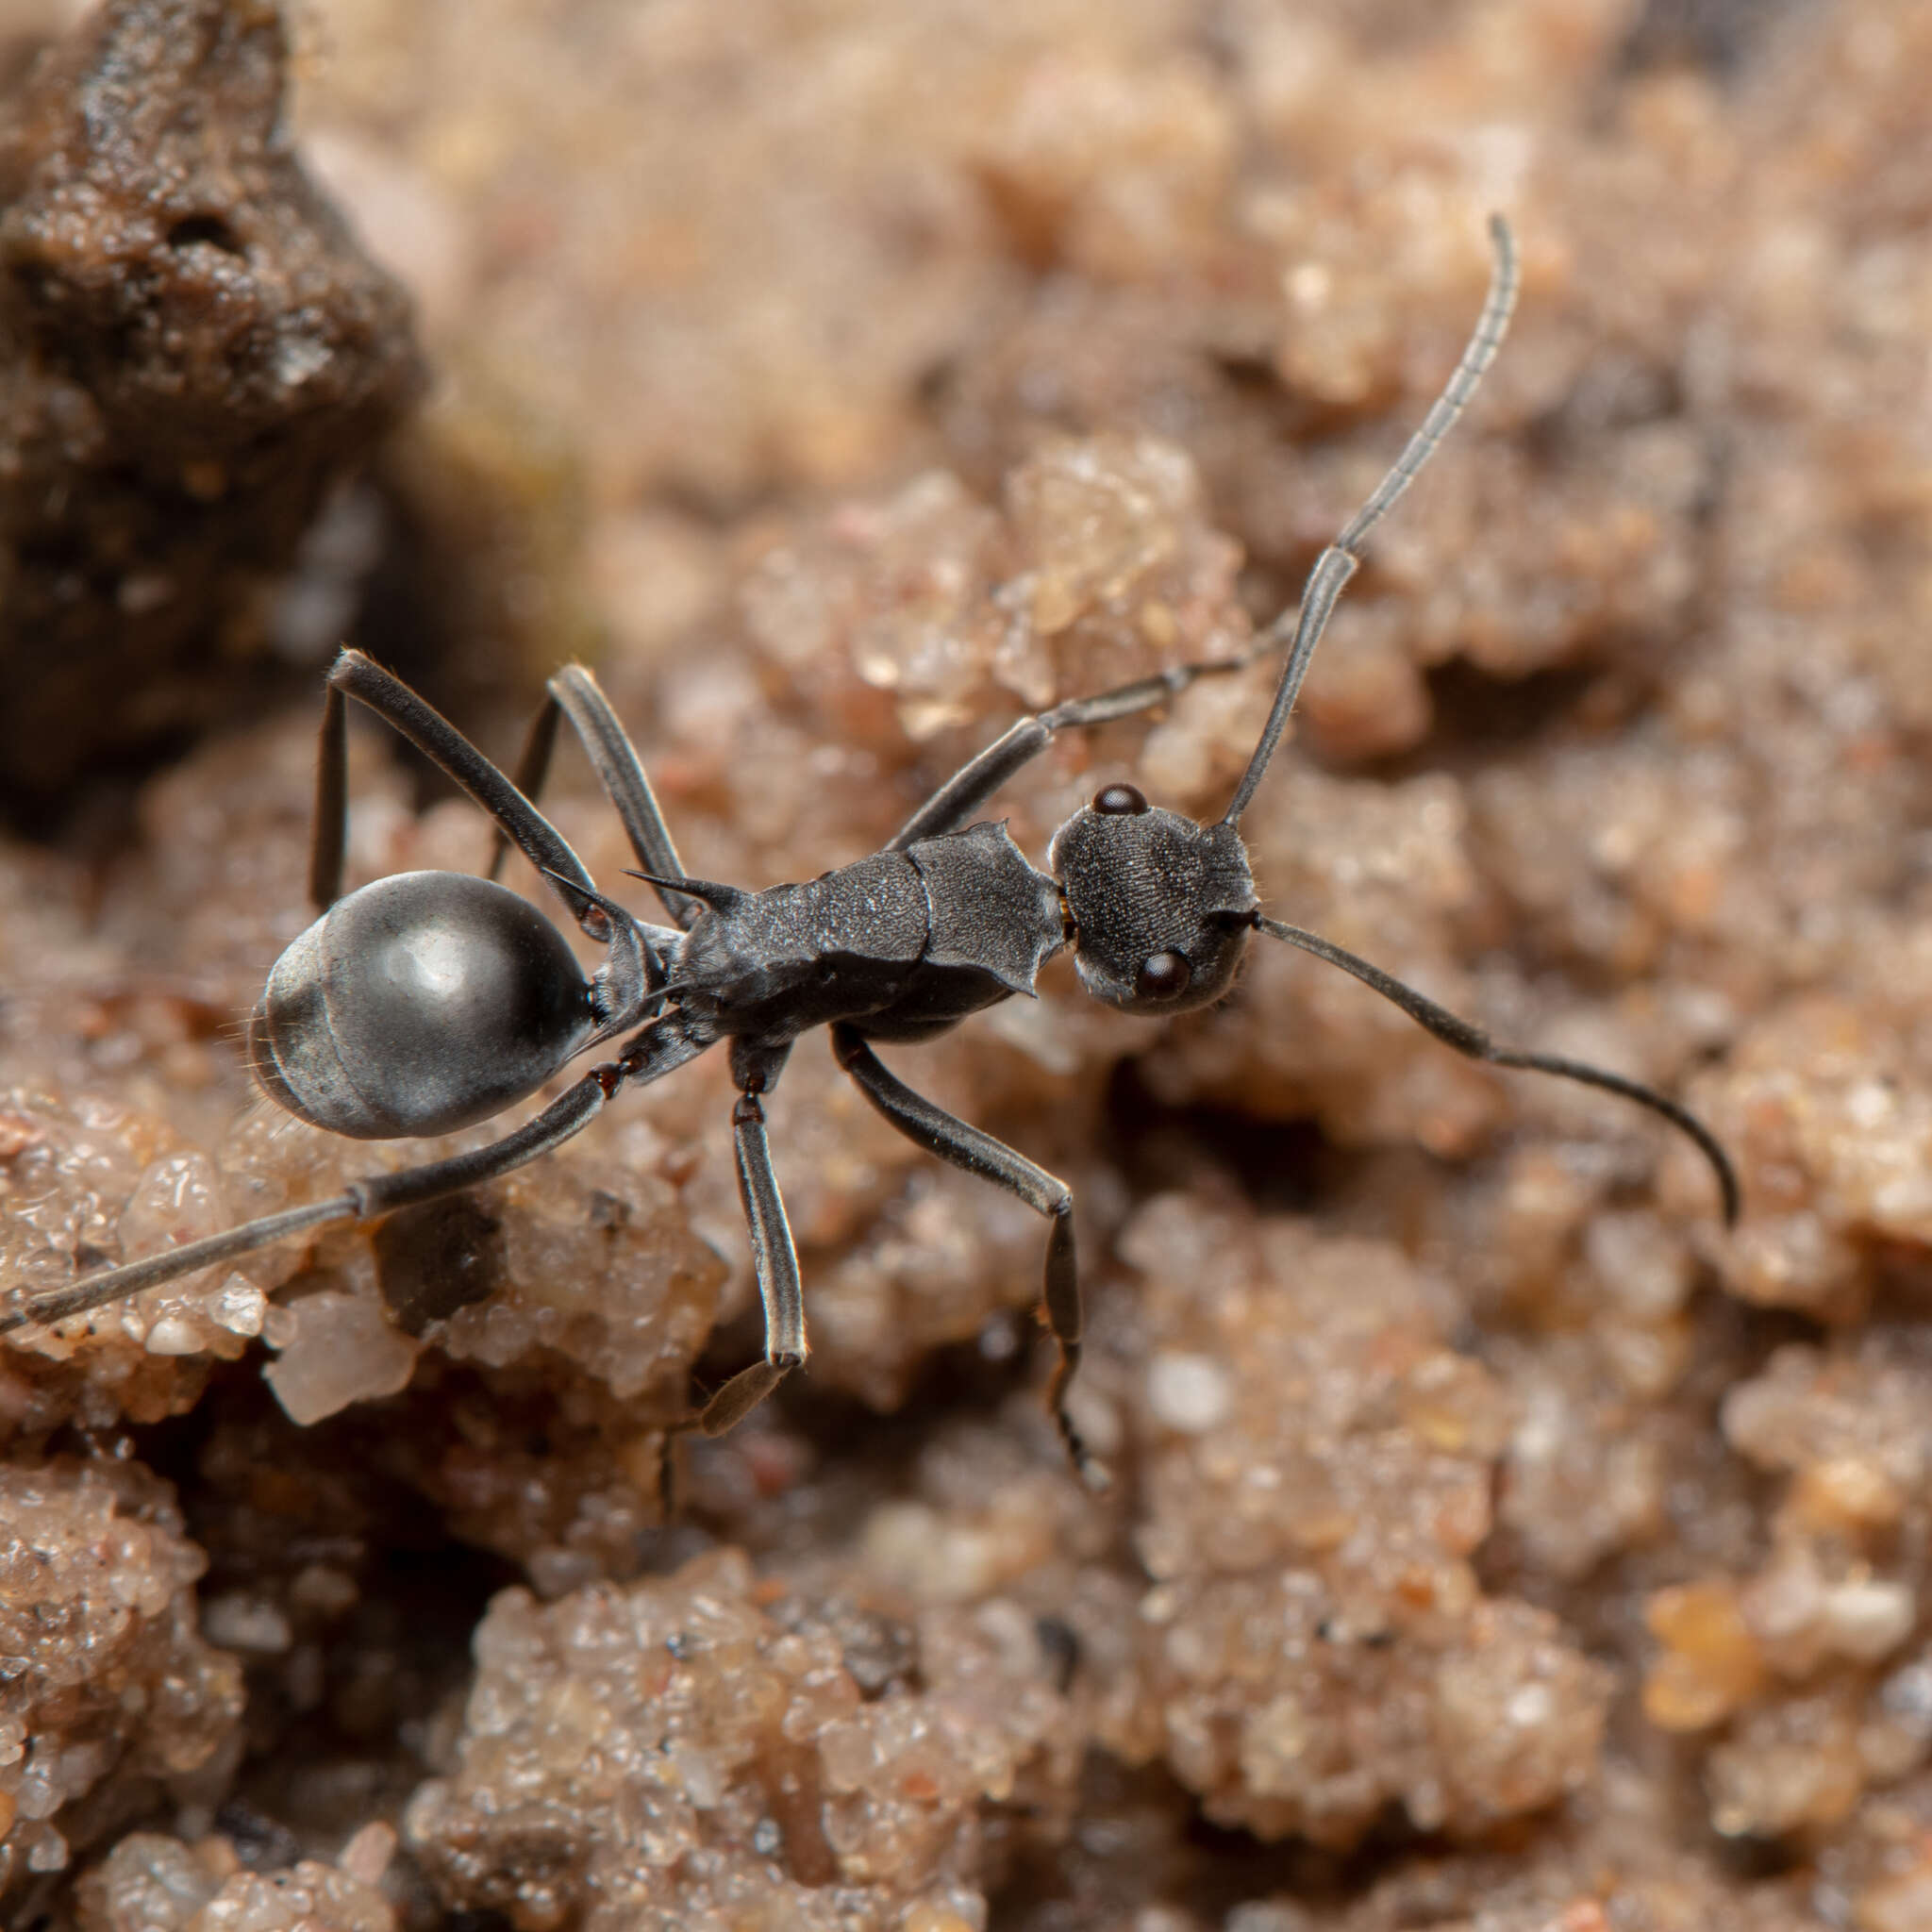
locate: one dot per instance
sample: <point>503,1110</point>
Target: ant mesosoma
<point>432,1000</point>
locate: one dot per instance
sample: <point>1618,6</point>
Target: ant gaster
<point>431,1000</point>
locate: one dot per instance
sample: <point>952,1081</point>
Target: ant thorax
<point>908,943</point>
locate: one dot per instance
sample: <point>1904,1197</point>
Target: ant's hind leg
<point>532,768</point>
<point>660,1049</point>
<point>939,1132</point>
<point>573,693</point>
<point>352,676</point>
<point>328,832</point>
<point>362,1201</point>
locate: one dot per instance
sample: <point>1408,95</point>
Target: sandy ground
<point>1497,1541</point>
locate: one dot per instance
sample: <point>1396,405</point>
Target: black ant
<point>432,1000</point>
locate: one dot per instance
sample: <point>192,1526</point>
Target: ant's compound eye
<point>1121,801</point>
<point>1162,975</point>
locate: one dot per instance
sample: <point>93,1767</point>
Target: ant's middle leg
<point>573,693</point>
<point>775,1260</point>
<point>951,1140</point>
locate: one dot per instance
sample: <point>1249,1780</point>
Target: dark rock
<point>194,354</point>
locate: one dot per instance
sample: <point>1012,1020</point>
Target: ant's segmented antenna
<point>1472,1043</point>
<point>1339,562</point>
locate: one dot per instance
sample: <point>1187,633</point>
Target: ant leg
<point>1472,1040</point>
<point>573,693</point>
<point>939,1132</point>
<point>355,676</point>
<point>328,832</point>
<point>532,768</point>
<point>774,1259</point>
<point>655,1052</point>
<point>975,781</point>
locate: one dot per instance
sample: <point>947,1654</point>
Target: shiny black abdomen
<point>423,1002</point>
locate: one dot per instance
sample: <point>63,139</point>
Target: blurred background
<point>1496,1540</point>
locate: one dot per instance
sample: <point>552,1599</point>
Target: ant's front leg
<point>949,809</point>
<point>939,1132</point>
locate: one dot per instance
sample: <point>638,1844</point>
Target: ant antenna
<point>1473,1043</point>
<point>1339,562</point>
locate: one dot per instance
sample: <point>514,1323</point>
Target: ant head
<point>1161,905</point>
